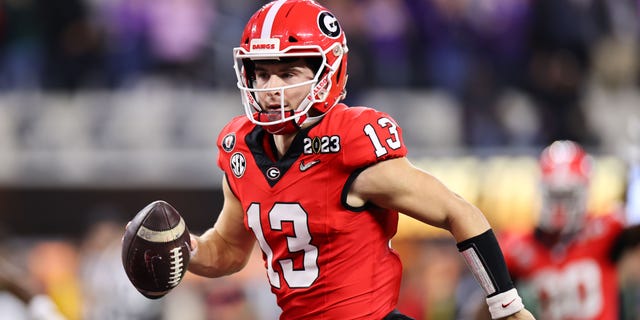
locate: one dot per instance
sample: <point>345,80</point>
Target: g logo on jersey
<point>238,164</point>
<point>273,173</point>
<point>328,24</point>
<point>229,141</point>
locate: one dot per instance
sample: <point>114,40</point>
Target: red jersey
<point>324,259</point>
<point>576,281</point>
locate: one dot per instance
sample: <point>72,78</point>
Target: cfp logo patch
<point>324,144</point>
<point>328,24</point>
<point>238,164</point>
<point>229,142</point>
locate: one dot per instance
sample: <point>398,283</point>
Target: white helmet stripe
<point>271,16</point>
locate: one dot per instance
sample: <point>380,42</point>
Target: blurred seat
<point>138,119</point>
<point>9,116</point>
<point>433,118</point>
<point>204,115</point>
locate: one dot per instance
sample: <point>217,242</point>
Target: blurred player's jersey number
<point>573,292</point>
<point>300,243</point>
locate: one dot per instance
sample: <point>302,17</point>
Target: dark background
<point>47,212</point>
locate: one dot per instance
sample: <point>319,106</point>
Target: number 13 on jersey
<point>297,244</point>
<point>392,142</point>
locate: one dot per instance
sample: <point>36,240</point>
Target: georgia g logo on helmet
<point>328,24</point>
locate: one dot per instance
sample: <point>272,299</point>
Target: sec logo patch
<point>238,164</point>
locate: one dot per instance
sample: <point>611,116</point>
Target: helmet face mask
<point>269,118</point>
<point>563,210</point>
<point>565,176</point>
<point>284,30</point>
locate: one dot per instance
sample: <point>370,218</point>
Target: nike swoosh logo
<point>504,305</point>
<point>306,166</point>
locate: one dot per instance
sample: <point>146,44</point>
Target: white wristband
<point>505,304</point>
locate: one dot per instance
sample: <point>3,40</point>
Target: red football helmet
<point>565,175</point>
<point>293,28</point>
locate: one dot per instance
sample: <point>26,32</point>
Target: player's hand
<point>194,245</point>
<point>125,229</point>
<point>523,314</point>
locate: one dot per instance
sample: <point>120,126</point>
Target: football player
<point>318,185</point>
<point>569,261</point>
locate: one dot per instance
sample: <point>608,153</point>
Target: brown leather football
<point>155,249</point>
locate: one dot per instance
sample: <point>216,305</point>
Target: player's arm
<point>225,248</point>
<point>628,239</point>
<point>399,185</point>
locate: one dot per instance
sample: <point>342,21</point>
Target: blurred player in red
<point>569,261</point>
<point>318,185</point>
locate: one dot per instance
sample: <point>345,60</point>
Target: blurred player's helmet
<point>289,29</point>
<point>565,174</point>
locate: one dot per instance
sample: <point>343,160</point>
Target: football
<point>155,249</point>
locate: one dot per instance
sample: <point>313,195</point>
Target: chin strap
<point>286,127</point>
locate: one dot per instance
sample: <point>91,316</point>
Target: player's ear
<point>343,94</point>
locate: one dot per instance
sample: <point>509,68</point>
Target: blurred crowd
<point>475,51</point>
<point>574,64</point>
